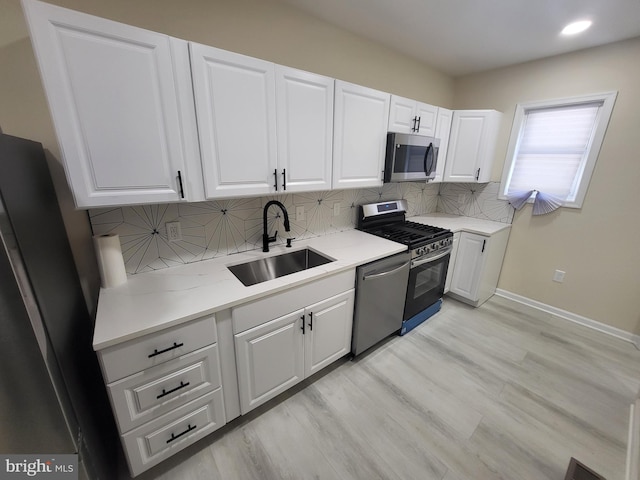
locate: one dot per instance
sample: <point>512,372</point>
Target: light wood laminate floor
<point>498,392</point>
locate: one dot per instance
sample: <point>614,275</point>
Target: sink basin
<point>258,271</point>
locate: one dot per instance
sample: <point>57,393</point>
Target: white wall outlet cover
<point>336,209</point>
<point>461,198</point>
<point>558,276</point>
<point>174,231</point>
<point>300,213</point>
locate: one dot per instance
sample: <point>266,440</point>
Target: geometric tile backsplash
<point>477,200</point>
<point>227,226</point>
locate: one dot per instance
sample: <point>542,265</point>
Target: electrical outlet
<point>336,209</point>
<point>461,198</point>
<point>300,213</point>
<point>558,276</point>
<point>174,231</point>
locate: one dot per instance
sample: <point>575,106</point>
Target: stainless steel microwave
<point>410,158</point>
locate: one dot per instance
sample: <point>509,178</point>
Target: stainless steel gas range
<point>430,249</point>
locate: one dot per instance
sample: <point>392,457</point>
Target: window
<point>554,146</point>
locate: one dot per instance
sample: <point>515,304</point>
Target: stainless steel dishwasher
<point>381,287</point>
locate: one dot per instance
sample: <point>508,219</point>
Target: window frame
<point>602,121</point>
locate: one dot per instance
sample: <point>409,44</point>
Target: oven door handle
<point>384,274</point>
<point>417,263</point>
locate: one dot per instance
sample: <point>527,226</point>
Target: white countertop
<point>457,223</point>
<point>153,301</point>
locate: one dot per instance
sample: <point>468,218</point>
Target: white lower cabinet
<point>162,437</point>
<point>165,390</point>
<point>328,331</point>
<point>269,359</point>
<point>477,266</point>
<point>279,352</point>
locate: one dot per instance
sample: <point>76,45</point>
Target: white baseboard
<point>572,317</point>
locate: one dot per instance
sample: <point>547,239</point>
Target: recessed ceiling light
<point>576,27</point>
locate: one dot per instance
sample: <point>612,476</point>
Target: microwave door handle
<point>428,168</point>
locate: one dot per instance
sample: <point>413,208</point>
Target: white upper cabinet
<point>236,112</point>
<point>472,145</point>
<point>411,116</point>
<point>304,129</point>
<point>443,128</point>
<point>115,107</point>
<point>360,136</point>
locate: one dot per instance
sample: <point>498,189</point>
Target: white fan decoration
<point>542,203</point>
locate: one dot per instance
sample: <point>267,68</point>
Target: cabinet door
<point>470,261</point>
<point>114,105</point>
<point>305,130</point>
<point>360,133</point>
<point>427,119</point>
<point>471,145</point>
<point>328,331</point>
<point>402,115</point>
<point>269,359</point>
<point>236,111</point>
<point>443,128</point>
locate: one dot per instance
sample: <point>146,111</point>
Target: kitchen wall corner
<point>227,226</point>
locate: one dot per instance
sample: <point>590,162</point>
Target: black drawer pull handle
<point>164,393</point>
<point>175,437</point>
<point>173,347</point>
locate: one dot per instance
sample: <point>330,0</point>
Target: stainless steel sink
<point>258,271</point>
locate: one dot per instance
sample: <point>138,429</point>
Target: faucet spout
<point>266,239</point>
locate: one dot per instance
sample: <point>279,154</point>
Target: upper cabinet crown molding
<point>115,106</point>
<point>472,145</point>
<point>360,135</point>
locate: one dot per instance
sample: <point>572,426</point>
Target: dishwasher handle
<point>388,272</point>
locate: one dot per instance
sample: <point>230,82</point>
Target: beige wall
<point>260,28</point>
<point>598,245</point>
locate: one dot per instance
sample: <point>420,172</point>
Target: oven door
<point>426,283</point>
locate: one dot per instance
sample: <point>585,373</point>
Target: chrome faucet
<point>266,239</point>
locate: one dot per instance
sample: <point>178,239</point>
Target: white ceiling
<point>456,37</point>
<point>459,37</point>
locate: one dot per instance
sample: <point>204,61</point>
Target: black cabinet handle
<point>418,127</point>
<point>311,321</point>
<point>175,437</point>
<point>172,347</point>
<point>165,393</point>
<point>415,122</point>
<point>484,242</point>
<point>302,318</point>
<point>180,184</point>
<point>477,175</point>
<point>284,178</point>
<point>275,183</point>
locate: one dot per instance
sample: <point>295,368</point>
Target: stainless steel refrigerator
<point>52,399</point>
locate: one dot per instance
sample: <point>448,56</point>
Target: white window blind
<point>554,146</point>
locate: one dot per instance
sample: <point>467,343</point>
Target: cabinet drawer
<point>155,391</point>
<point>154,441</point>
<point>136,355</point>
